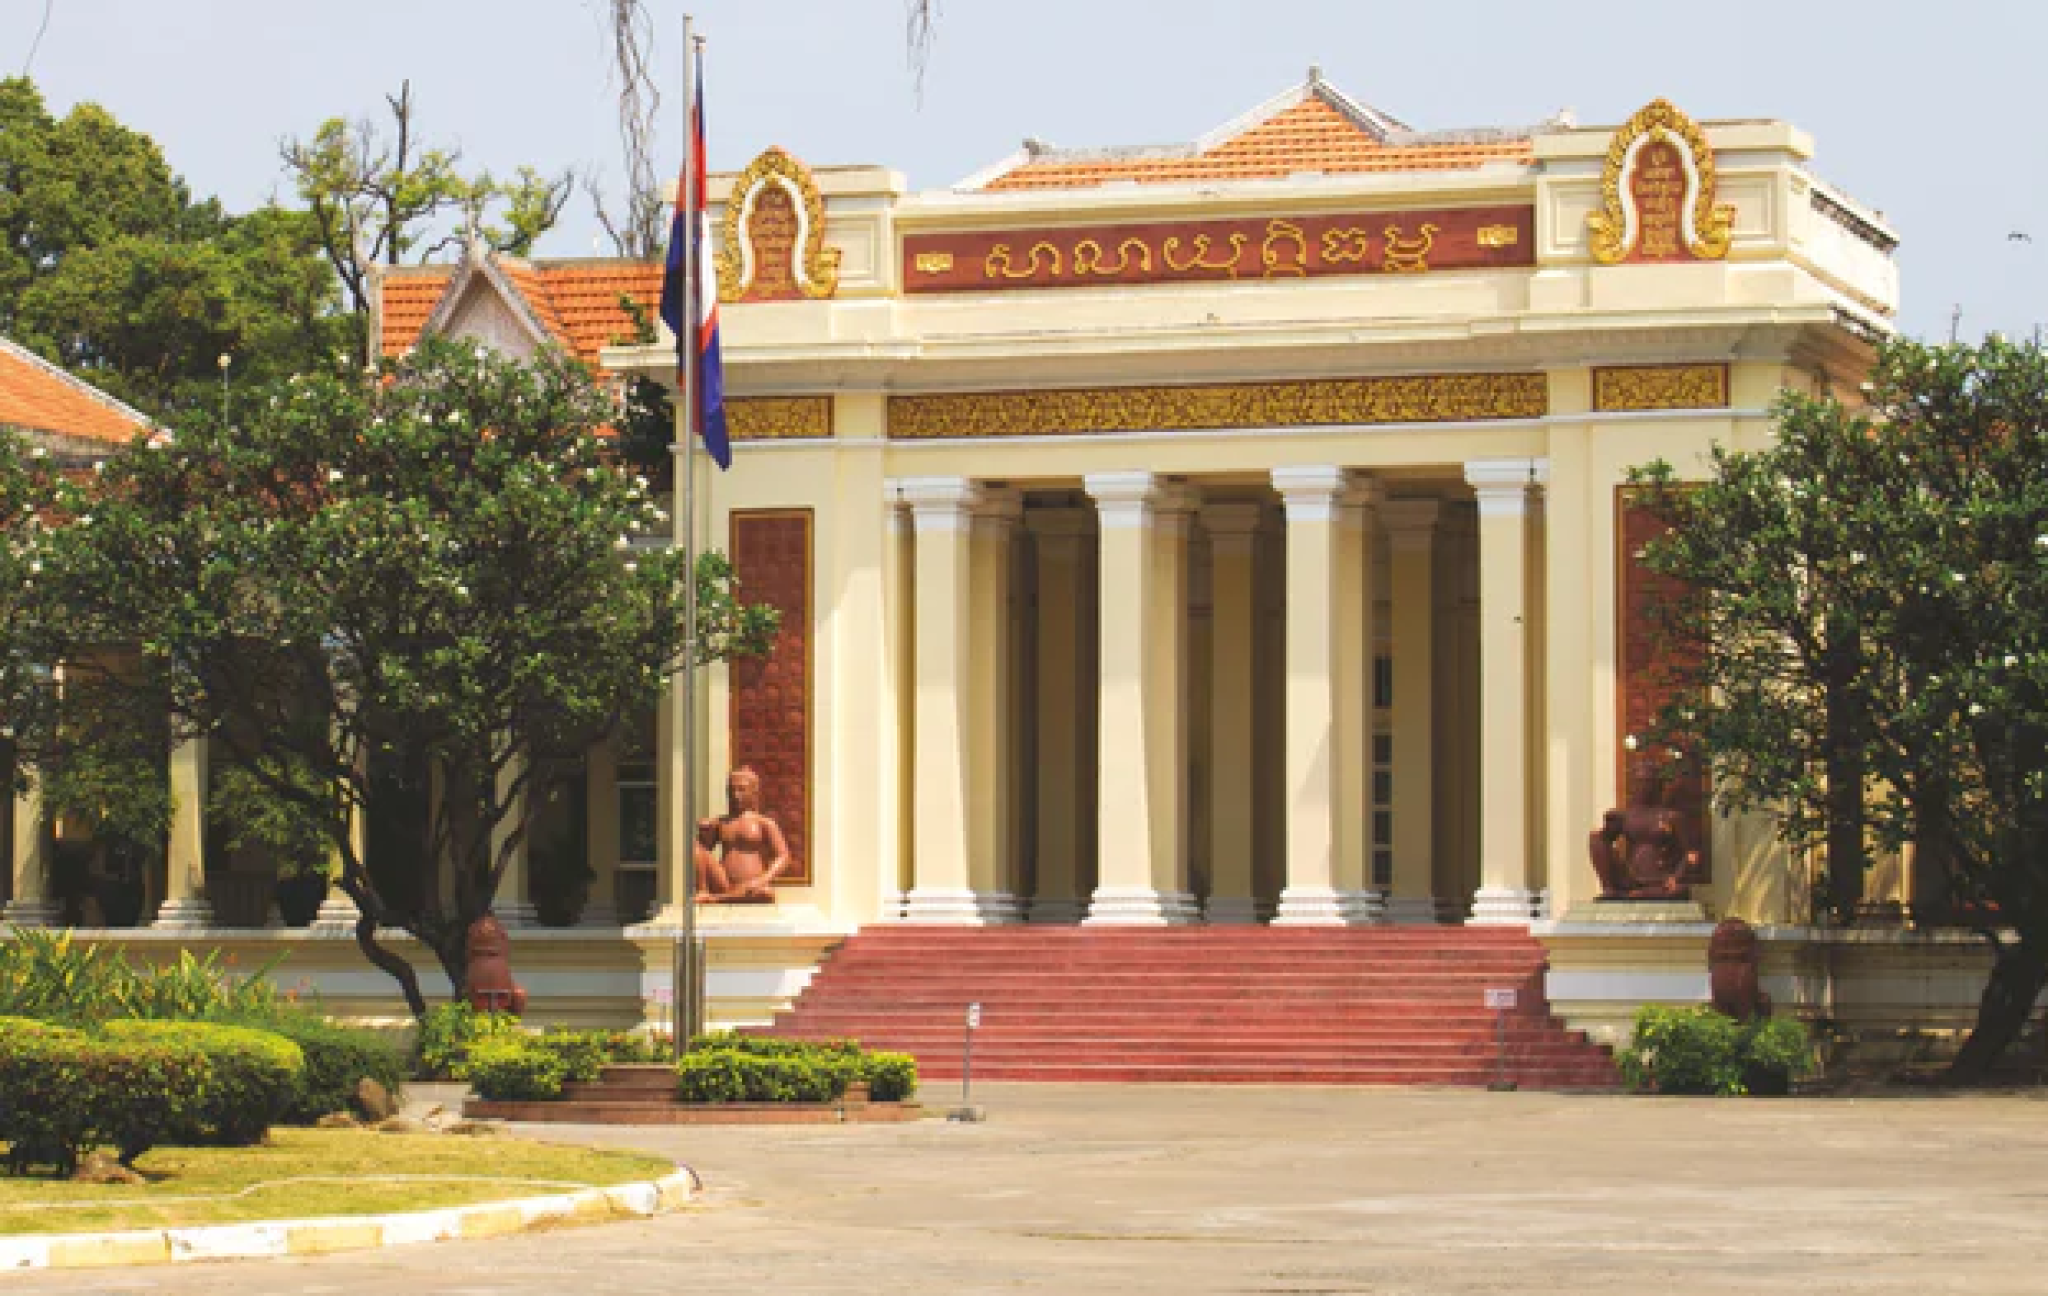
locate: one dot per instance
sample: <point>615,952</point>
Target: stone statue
<point>752,851</point>
<point>1643,851</point>
<point>1732,971</point>
<point>487,975</point>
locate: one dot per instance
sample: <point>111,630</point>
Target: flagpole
<point>688,979</point>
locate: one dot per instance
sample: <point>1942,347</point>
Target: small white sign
<point>662,994</point>
<point>973,1016</point>
<point>1500,1000</point>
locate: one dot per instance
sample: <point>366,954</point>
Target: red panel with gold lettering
<point>1297,247</point>
<point>771,696</point>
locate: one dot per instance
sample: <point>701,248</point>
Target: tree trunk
<point>371,911</point>
<point>2016,979</point>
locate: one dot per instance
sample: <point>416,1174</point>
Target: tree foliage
<point>1872,595</point>
<point>379,195</point>
<point>398,591</point>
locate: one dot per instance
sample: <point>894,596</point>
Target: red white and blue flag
<point>696,345</point>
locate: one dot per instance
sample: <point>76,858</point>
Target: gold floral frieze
<point>779,418</point>
<point>1661,387</point>
<point>1429,398</point>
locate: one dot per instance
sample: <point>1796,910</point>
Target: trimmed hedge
<point>257,1076</point>
<point>337,1059</point>
<point>515,1069</point>
<point>1700,1051</point>
<point>63,1093</point>
<point>753,1068</point>
<point>449,1031</point>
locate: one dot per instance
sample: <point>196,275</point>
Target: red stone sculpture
<point>752,851</point>
<point>1732,979</point>
<point>488,972</point>
<point>1644,850</point>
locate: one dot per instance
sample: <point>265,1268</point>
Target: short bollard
<point>1502,1002</point>
<point>967,1111</point>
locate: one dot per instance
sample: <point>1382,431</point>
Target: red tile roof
<point>575,302</point>
<point>1311,129</point>
<point>39,398</point>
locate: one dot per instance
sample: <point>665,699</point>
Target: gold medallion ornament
<point>772,241</point>
<point>1657,193</point>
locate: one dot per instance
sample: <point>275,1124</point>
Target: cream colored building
<point>1225,532</point>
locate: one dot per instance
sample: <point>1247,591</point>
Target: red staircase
<point>1299,1005</point>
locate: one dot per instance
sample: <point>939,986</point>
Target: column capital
<point>938,503</point>
<point>1123,499</point>
<point>1411,523</point>
<point>1363,496</point>
<point>998,509</point>
<point>1503,485</point>
<point>1313,492</point>
<point>1233,525</point>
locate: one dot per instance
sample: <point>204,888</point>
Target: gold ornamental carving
<point>1661,387</point>
<point>1657,193</point>
<point>780,418</point>
<point>1427,398</point>
<point>757,263</point>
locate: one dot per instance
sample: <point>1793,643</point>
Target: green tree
<point>403,590</point>
<point>380,196</point>
<point>1870,597</point>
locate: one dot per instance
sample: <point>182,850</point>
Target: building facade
<point>1226,532</point>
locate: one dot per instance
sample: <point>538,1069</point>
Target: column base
<point>961,908</point>
<point>1326,907</point>
<point>1065,910</point>
<point>1505,906</point>
<point>513,913</point>
<point>1414,910</point>
<point>1231,911</point>
<point>32,913</point>
<point>598,913</point>
<point>337,914</point>
<point>892,906</point>
<point>1141,907</point>
<point>189,913</point>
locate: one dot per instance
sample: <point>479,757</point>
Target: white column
<point>1504,487</point>
<point>185,904</point>
<point>1142,771</point>
<point>946,825</point>
<point>1060,536</point>
<point>991,858</point>
<point>601,834</point>
<point>1233,619</point>
<point>1411,539</point>
<point>512,904</point>
<point>1325,700</point>
<point>32,905</point>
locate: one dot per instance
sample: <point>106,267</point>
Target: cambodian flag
<point>698,344</point>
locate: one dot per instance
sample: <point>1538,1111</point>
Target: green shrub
<point>514,1068</point>
<point>338,1058</point>
<point>63,1093</point>
<point>622,1048</point>
<point>1700,1051</point>
<point>583,1054</point>
<point>257,1076</point>
<point>891,1077</point>
<point>730,1075</point>
<point>49,975</point>
<point>450,1030</point>
<point>1776,1051</point>
<point>772,1046</point>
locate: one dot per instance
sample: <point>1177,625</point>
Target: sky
<point>1920,110</point>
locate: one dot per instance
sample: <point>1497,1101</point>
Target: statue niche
<point>740,854</point>
<point>1644,851</point>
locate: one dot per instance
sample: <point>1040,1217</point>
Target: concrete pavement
<point>1281,1190</point>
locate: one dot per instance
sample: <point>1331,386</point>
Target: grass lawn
<point>304,1173</point>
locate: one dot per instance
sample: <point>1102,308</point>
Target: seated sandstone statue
<point>751,852</point>
<point>1644,850</point>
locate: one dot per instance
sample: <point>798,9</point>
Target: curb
<point>329,1234</point>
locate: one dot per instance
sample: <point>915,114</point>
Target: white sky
<point>1922,110</point>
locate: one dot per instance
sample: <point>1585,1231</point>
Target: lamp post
<point>225,361</point>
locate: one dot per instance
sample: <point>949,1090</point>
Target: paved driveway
<point>1269,1190</point>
